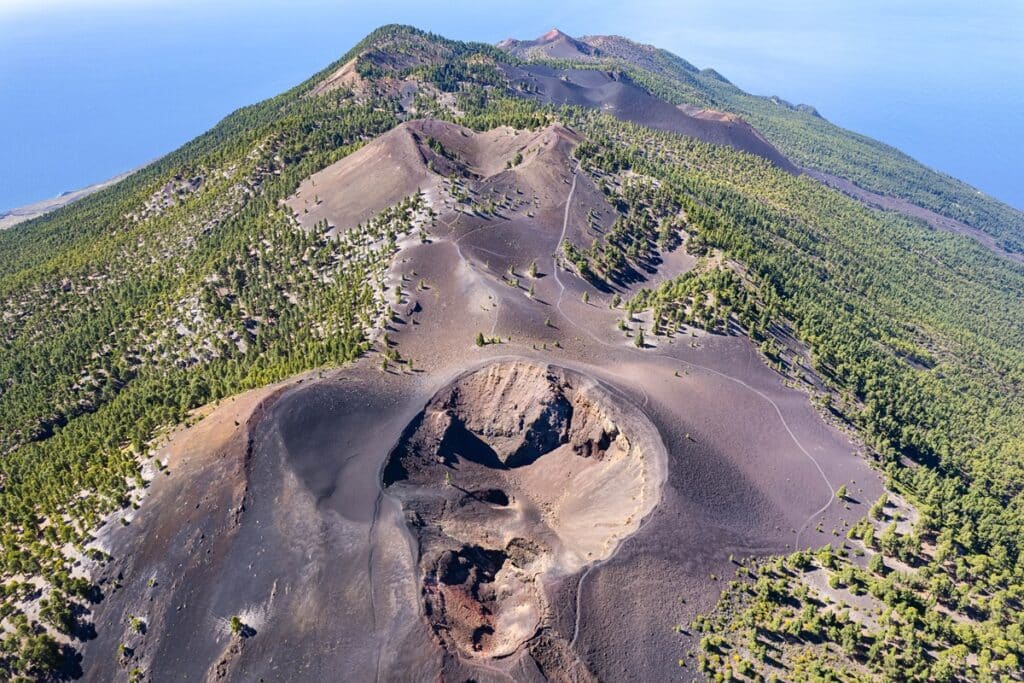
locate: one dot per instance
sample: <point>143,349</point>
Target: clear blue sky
<point>89,88</point>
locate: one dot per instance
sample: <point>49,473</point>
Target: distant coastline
<point>12,217</point>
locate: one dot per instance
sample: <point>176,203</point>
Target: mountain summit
<point>553,45</point>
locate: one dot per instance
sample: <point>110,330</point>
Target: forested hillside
<point>919,334</point>
<point>191,281</point>
<point>185,283</point>
<point>812,141</point>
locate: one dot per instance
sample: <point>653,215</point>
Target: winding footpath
<point>556,270</point>
<point>712,371</point>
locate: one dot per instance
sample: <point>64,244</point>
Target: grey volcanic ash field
<point>549,507</point>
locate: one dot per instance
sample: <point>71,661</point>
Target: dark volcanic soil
<point>547,507</point>
<point>553,45</point>
<point>617,95</point>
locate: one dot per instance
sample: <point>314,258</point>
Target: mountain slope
<point>810,140</point>
<point>532,367</point>
<point>619,96</point>
<point>553,45</point>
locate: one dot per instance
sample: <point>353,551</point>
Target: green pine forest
<point>189,282</point>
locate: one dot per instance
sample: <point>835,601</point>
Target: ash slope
<point>615,93</point>
<point>794,137</point>
<point>337,574</point>
<point>618,95</point>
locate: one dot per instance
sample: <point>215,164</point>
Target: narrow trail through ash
<point>718,373</point>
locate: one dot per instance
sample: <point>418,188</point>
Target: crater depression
<point>515,475</point>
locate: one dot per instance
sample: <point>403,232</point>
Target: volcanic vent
<point>513,477</point>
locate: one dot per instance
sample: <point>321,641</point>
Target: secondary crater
<point>513,477</point>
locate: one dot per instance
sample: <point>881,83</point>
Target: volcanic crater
<point>512,476</point>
